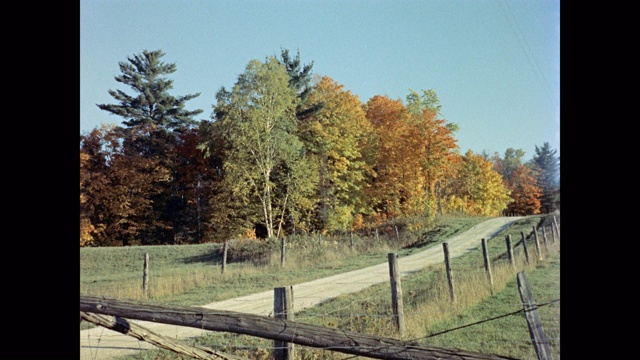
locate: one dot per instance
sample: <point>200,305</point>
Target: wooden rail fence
<point>285,331</point>
<point>275,329</point>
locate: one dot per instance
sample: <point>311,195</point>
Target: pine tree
<point>153,119</point>
<point>546,166</point>
<point>152,105</point>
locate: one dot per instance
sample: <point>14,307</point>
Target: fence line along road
<point>101,343</point>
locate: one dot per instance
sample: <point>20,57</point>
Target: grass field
<point>190,275</point>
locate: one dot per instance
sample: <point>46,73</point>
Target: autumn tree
<point>434,139</point>
<point>546,169</point>
<point>257,121</point>
<point>334,137</point>
<point>414,151</point>
<point>94,186</point>
<point>477,189</point>
<point>86,228</point>
<point>153,118</point>
<point>195,176</point>
<point>398,185</point>
<point>519,179</point>
<point>508,164</point>
<point>117,188</point>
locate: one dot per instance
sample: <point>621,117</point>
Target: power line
<point>529,54</point>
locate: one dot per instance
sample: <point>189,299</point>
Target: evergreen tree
<point>153,119</point>
<point>546,167</point>
<point>152,105</point>
<point>300,80</point>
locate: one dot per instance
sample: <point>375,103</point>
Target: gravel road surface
<point>99,343</point>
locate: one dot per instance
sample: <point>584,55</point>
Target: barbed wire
<point>484,321</point>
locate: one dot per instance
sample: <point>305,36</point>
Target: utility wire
<point>536,68</point>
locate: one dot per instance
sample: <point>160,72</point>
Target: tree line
<point>285,150</point>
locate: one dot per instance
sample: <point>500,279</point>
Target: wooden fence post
<point>225,248</point>
<point>524,246</point>
<point>553,233</point>
<point>320,337</point>
<point>145,276</point>
<point>396,293</point>
<point>557,227</point>
<point>544,237</point>
<point>377,238</point>
<point>533,319</point>
<point>351,241</point>
<point>535,234</point>
<point>397,234</point>
<point>283,309</point>
<point>510,252</point>
<point>452,292</point>
<point>487,263</point>
<point>283,245</point>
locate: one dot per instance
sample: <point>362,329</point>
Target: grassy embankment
<point>428,309</point>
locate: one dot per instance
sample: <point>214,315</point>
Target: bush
<point>256,251</point>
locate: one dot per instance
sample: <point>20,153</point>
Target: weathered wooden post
<point>283,245</point>
<point>533,319</point>
<point>351,241</point>
<point>555,222</point>
<point>397,234</point>
<point>145,276</point>
<point>535,234</point>
<point>544,237</point>
<point>510,252</point>
<point>524,246</point>
<point>553,233</point>
<point>377,238</point>
<point>396,293</point>
<point>487,263</point>
<point>452,292</point>
<point>283,309</point>
<point>225,248</point>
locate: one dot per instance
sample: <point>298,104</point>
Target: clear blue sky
<point>495,64</point>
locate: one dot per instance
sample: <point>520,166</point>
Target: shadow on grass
<point>215,257</point>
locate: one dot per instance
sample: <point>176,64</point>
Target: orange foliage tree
<point>414,152</point>
<point>398,186</point>
<point>434,141</point>
<point>519,179</point>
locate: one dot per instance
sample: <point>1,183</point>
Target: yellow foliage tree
<point>477,189</point>
<point>334,137</point>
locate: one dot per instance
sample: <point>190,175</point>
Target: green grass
<point>427,307</point>
<point>191,274</point>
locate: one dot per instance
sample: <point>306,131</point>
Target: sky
<point>494,64</point>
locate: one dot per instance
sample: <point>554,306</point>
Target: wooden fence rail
<point>276,329</point>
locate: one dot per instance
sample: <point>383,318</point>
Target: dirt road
<point>100,343</point>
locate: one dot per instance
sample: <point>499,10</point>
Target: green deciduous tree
<point>257,121</point>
